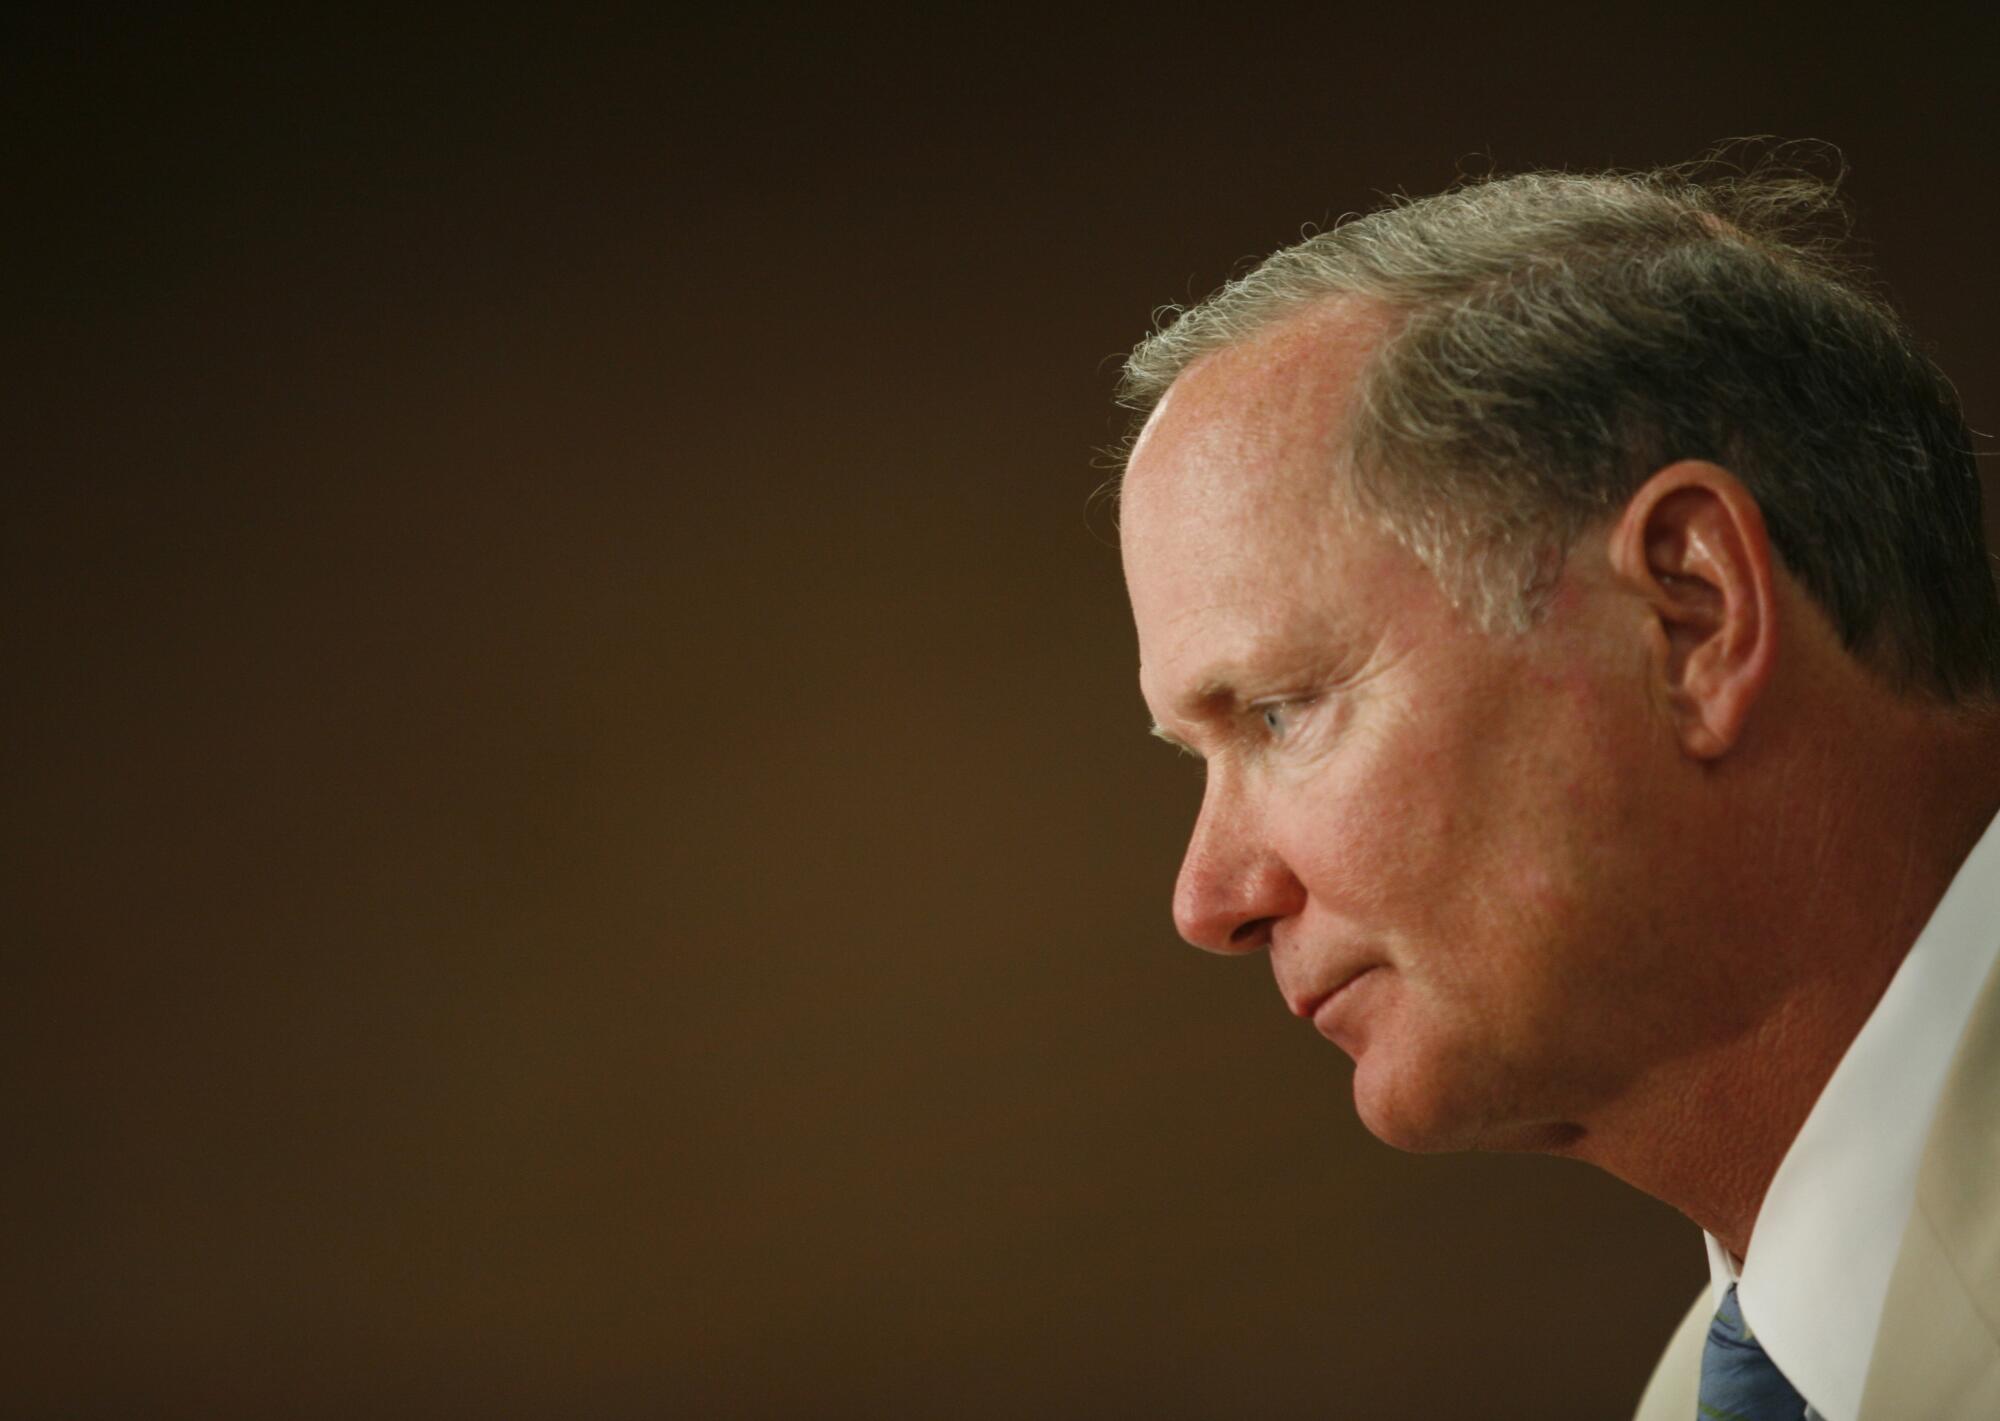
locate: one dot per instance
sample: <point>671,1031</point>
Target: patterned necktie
<point>1738,1382</point>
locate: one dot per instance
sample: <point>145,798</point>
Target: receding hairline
<point>1332,339</point>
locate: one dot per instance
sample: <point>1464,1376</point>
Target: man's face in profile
<point>1434,831</point>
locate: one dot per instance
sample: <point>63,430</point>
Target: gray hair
<point>1558,337</point>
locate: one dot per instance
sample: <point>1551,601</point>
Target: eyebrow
<point>1219,697</point>
<point>1200,703</point>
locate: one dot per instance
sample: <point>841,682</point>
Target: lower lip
<point>1323,1015</point>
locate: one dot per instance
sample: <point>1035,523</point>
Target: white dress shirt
<point>1828,1232</point>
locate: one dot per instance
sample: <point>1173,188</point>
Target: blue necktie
<point>1739,1382</point>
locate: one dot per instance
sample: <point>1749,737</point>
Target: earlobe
<point>1691,544</point>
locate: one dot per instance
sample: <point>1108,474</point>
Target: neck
<point>1823,914</point>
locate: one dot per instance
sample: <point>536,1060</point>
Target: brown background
<point>579,837</point>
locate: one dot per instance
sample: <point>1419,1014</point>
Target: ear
<point>1691,544</point>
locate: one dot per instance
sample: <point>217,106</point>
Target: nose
<point>1234,885</point>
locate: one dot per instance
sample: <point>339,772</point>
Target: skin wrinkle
<point>1602,927</point>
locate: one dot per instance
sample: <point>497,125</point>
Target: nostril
<point>1251,934</point>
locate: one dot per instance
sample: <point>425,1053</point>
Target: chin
<point>1417,1111</point>
<point>1416,1132</point>
<point>1402,1108</point>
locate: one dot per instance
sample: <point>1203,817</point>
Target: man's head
<point>1461,556</point>
<point>1551,339</point>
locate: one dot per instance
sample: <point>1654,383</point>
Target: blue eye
<point>1278,717</point>
<point>1281,717</point>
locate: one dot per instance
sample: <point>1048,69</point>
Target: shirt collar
<point>1831,1224</point>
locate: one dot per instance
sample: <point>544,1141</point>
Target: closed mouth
<point>1313,1008</point>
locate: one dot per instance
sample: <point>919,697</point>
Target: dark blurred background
<point>579,837</point>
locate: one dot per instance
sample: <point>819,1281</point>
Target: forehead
<point>1255,424</point>
<point>1237,550</point>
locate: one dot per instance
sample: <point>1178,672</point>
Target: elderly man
<point>1575,586</point>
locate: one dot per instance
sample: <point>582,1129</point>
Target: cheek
<point>1569,819</point>
<point>1471,838</point>
<point>1381,834</point>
